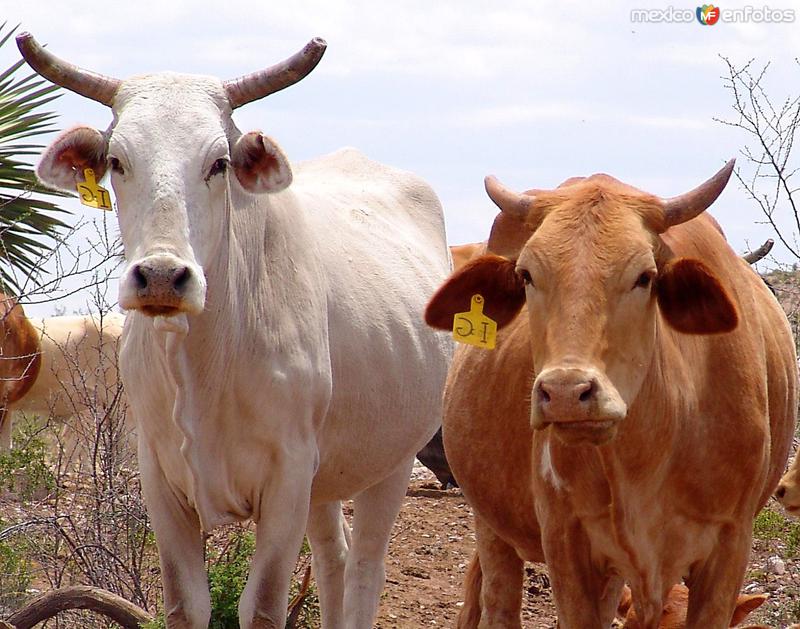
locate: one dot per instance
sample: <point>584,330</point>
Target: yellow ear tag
<point>474,327</point>
<point>92,194</point>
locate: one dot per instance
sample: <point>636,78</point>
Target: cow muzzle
<point>788,492</point>
<point>580,404</point>
<point>163,285</point>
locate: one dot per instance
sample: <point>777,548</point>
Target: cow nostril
<point>780,492</point>
<point>182,278</point>
<point>139,277</point>
<point>544,396</point>
<point>587,393</point>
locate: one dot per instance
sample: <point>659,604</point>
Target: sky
<point>531,92</point>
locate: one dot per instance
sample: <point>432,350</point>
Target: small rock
<point>776,565</point>
<point>413,571</point>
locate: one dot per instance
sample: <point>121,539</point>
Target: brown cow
<point>432,454</point>
<point>674,614</point>
<point>464,253</point>
<point>632,420</point>
<point>20,359</point>
<point>788,492</point>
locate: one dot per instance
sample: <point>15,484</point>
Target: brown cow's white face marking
<point>589,276</point>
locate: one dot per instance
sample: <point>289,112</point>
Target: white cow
<point>78,371</point>
<point>275,357</point>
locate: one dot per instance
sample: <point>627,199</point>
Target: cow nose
<point>157,278</point>
<point>570,394</point>
<point>780,492</point>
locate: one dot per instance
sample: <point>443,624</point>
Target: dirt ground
<point>433,542</point>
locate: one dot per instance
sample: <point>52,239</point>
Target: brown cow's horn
<point>84,82</point>
<point>517,205</point>
<point>686,206</point>
<point>250,87</point>
<point>760,253</point>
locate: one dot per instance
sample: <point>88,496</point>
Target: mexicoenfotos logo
<point>708,14</point>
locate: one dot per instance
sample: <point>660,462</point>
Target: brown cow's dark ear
<point>491,276</point>
<point>64,161</point>
<point>260,164</point>
<point>692,299</point>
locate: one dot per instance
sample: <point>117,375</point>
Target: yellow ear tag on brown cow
<point>92,194</point>
<point>474,327</point>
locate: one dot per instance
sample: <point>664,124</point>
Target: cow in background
<point>677,604</point>
<point>636,413</point>
<point>432,455</point>
<point>78,383</point>
<point>788,491</point>
<point>274,355</point>
<point>20,362</point>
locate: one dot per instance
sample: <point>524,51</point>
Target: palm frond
<point>29,227</point>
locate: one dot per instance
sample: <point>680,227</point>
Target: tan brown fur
<point>464,253</point>
<point>21,357</point>
<point>673,491</point>
<point>673,615</point>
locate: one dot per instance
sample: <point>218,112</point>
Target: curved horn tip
<point>25,41</point>
<point>686,206</point>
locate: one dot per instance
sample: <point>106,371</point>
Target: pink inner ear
<point>259,166</point>
<point>70,154</point>
<point>76,158</point>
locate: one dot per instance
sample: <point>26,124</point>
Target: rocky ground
<point>433,542</point>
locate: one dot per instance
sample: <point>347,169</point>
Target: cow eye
<point>116,166</point>
<point>525,276</point>
<point>217,168</point>
<point>644,280</point>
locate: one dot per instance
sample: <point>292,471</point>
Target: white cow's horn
<point>686,206</point>
<point>250,87</point>
<point>84,82</point>
<point>509,202</point>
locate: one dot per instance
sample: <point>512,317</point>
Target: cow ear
<point>64,161</point>
<point>745,604</point>
<point>491,276</point>
<point>260,164</point>
<point>692,299</point>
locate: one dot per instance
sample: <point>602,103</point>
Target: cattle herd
<point>282,353</point>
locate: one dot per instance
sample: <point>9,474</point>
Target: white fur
<point>308,378</point>
<point>548,470</point>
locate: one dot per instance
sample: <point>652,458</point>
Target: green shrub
<point>15,573</point>
<point>24,470</point>
<point>768,524</point>
<point>227,576</point>
<point>771,525</point>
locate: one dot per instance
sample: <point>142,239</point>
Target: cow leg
<point>470,614</point>
<point>714,585</point>
<point>6,426</point>
<point>501,587</point>
<point>279,533</point>
<point>328,534</point>
<point>374,512</point>
<point>579,589</point>
<point>187,604</point>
